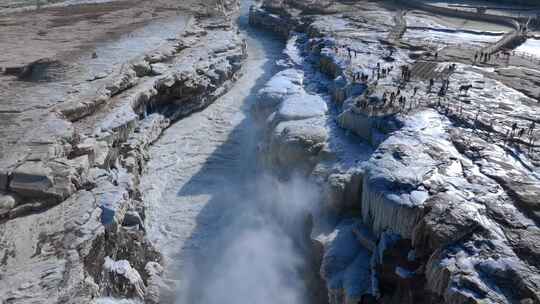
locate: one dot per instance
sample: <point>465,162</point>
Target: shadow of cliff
<point>229,177</point>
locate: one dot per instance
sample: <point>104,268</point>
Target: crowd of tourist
<point>401,100</point>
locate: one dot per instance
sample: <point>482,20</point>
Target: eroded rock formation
<point>435,207</point>
<point>72,221</point>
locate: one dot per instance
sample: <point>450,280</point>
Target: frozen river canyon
<point>328,152</point>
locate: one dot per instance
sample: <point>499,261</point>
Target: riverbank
<point>72,216</point>
<point>217,216</point>
<point>425,198</point>
<point>168,166</point>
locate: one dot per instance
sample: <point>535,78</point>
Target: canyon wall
<point>424,218</point>
<point>72,220</point>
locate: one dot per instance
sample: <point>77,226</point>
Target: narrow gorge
<point>272,151</point>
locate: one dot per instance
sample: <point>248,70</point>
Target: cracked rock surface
<point>74,145</point>
<point>444,201</point>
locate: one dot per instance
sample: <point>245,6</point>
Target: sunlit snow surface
<point>446,37</point>
<point>423,29</point>
<point>196,200</point>
<point>530,47</point>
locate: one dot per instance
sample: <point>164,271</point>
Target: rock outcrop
<point>72,221</point>
<point>438,209</point>
<point>294,122</point>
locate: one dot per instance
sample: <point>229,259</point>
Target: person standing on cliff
<point>514,127</point>
<point>521,132</point>
<point>404,102</point>
<point>532,126</point>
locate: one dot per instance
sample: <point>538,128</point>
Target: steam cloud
<point>258,256</point>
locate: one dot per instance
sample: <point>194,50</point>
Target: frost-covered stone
<point>296,131</point>
<point>280,86</point>
<point>114,203</point>
<point>301,106</point>
<point>121,274</point>
<point>449,219</point>
<point>296,144</point>
<point>142,68</point>
<point>159,68</point>
<point>54,235</point>
<point>474,271</point>
<point>87,147</point>
<point>7,202</point>
<point>342,190</point>
<point>54,180</point>
<point>44,252</point>
<point>127,79</point>
<point>32,178</point>
<point>103,156</point>
<point>346,265</point>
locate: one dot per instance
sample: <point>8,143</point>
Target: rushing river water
<point>209,207</point>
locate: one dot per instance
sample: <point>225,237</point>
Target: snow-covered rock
<point>346,265</point>
<point>68,182</point>
<point>283,84</point>
<point>122,272</point>
<point>295,145</point>
<point>296,126</point>
<point>449,195</point>
<point>301,106</point>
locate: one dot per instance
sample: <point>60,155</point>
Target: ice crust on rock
<point>295,121</point>
<point>123,268</point>
<point>346,264</point>
<point>301,106</point>
<point>73,173</point>
<point>459,203</point>
<point>283,84</point>
<point>393,192</point>
<point>44,250</point>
